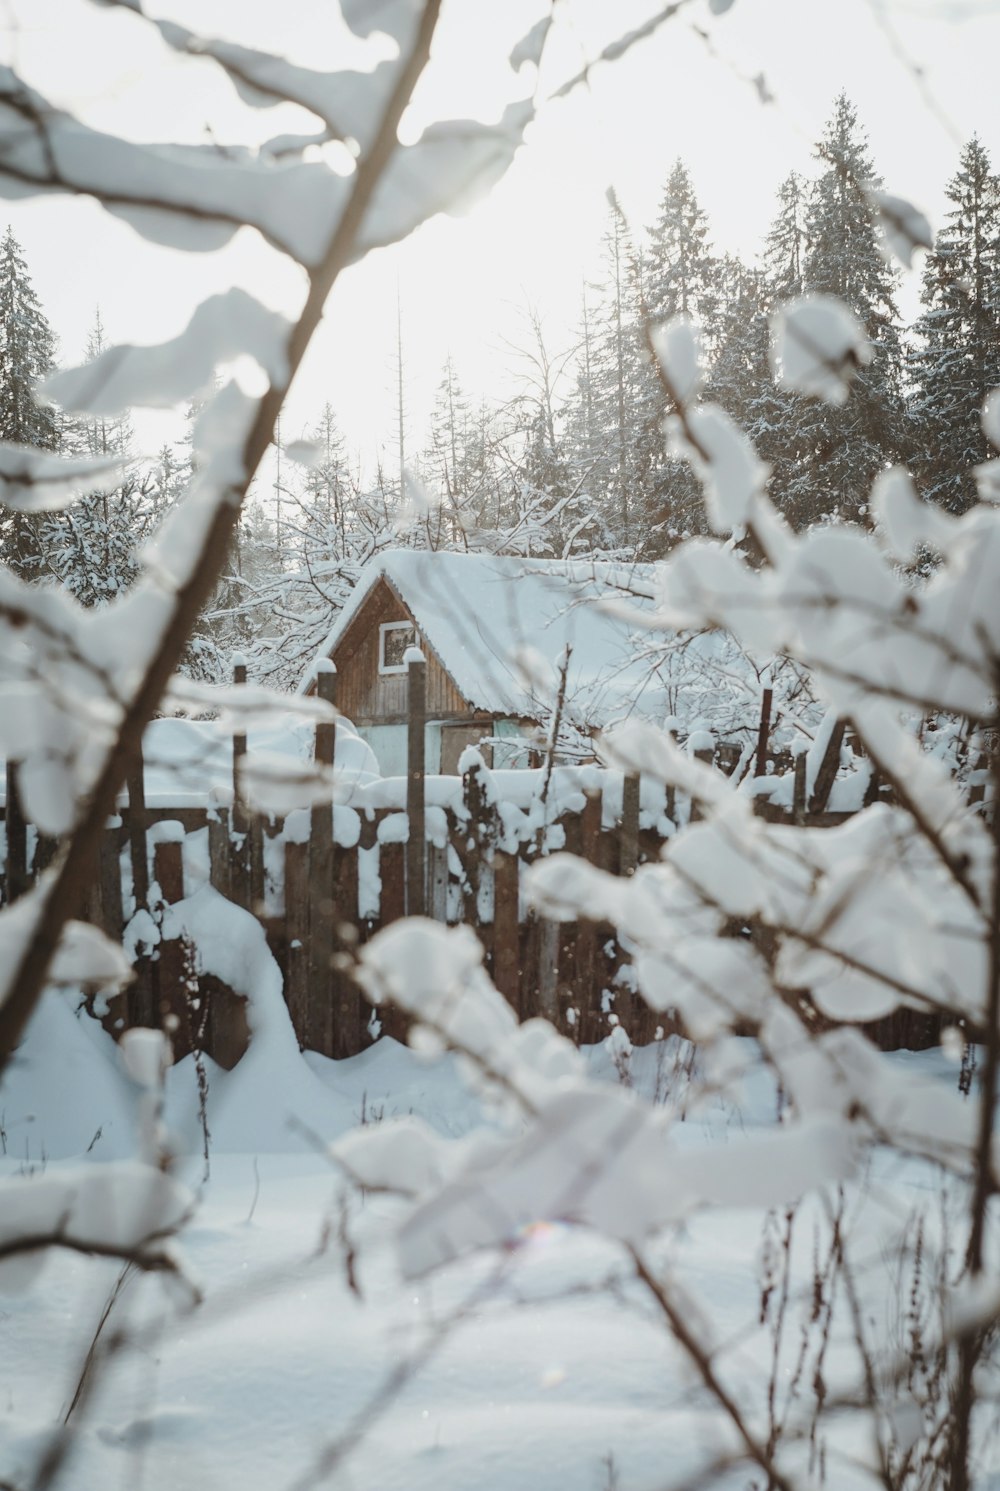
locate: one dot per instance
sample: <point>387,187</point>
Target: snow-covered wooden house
<point>495,633</point>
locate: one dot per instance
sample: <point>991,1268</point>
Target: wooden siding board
<point>369,697</point>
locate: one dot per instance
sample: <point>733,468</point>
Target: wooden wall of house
<point>368,697</point>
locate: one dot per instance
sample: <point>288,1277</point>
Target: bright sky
<point>920,72</point>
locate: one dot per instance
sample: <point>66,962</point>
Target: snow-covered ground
<point>545,1367</point>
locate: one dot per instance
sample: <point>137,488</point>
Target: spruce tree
<point>679,262</point>
<point>446,464</point>
<point>618,392</point>
<point>740,379</point>
<point>743,376</point>
<point>100,435</point>
<point>27,350</point>
<point>27,354</point>
<point>326,501</point>
<point>784,247</point>
<point>680,278</point>
<point>828,456</point>
<point>90,547</point>
<point>957,360</point>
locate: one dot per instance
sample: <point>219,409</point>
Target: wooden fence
<point>322,892</point>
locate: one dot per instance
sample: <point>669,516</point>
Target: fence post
<point>828,768</point>
<point>319,1014</point>
<point>763,732</point>
<point>416,842</point>
<point>630,824</point>
<point>17,838</point>
<point>799,789</point>
<point>707,755</point>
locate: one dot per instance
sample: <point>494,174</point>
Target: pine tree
<point>27,353</point>
<point>957,360</point>
<point>828,456</point>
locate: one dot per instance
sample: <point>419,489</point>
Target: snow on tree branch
<point>818,346</point>
<point>223,328</point>
<point>34,481</point>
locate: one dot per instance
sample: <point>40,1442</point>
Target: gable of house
<point>372,684</point>
<point>366,692</point>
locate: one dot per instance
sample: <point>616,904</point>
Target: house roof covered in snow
<point>501,627</point>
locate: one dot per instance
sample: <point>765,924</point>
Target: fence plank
<point>585,946</point>
<point>416,843</point>
<point>17,838</point>
<point>350,1011</point>
<point>92,909</point>
<point>392,873</point>
<point>110,872</point>
<point>506,928</point>
<point>219,856</point>
<point>46,848</point>
<point>437,878</point>
<point>297,936</point>
<point>239,821</point>
<point>137,835</point>
<point>630,824</point>
<point>226,1029</point>
<point>548,968</point>
<point>321,943</point>
<point>239,861</point>
<point>168,870</point>
<point>171,975</point>
<point>142,995</point>
<point>256,858</point>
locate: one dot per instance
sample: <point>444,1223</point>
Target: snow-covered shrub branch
<point>792,936</point>
<point>196,198</point>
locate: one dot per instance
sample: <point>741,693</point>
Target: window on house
<point>394,637</point>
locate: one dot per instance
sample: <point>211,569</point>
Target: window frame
<point>394,626</point>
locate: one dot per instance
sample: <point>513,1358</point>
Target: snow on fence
<point>322,880</point>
